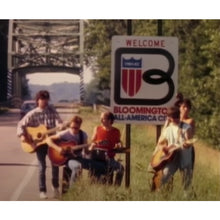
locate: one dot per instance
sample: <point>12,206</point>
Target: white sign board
<point>144,78</point>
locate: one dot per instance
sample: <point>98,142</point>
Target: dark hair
<point>187,103</point>
<point>179,99</point>
<point>110,116</point>
<point>173,112</point>
<point>42,94</point>
<point>76,119</point>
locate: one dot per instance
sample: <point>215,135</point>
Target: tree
<point>199,58</point>
<point>199,71</point>
<point>98,50</point>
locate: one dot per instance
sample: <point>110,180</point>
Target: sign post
<point>143,79</point>
<point>128,130</point>
<point>159,33</point>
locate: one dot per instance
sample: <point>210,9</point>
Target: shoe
<point>56,193</point>
<point>43,195</point>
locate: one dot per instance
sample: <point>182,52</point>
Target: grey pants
<point>172,166</point>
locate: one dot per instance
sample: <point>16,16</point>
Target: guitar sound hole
<point>39,135</point>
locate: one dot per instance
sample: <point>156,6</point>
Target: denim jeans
<point>96,168</point>
<point>76,168</point>
<point>41,156</point>
<point>114,166</point>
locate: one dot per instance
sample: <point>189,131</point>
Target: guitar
<point>69,147</point>
<point>161,157</point>
<point>36,137</point>
<point>101,154</point>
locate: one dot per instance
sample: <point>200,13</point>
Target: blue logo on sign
<point>131,63</point>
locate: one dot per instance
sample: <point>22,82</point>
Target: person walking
<point>43,114</point>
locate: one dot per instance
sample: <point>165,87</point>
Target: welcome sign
<point>144,78</point>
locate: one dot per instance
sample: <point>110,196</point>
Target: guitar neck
<point>78,147</point>
<point>52,130</point>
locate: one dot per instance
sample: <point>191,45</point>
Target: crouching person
<point>73,156</point>
<point>106,138</point>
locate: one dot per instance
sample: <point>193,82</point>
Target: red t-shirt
<point>106,139</point>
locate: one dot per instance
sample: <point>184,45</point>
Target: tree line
<point>199,59</point>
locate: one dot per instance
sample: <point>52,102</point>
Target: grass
<point>205,185</point>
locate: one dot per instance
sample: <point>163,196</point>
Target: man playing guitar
<point>75,159</point>
<point>46,115</point>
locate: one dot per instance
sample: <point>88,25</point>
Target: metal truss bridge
<point>43,46</point>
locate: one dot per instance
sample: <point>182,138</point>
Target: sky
<point>40,79</point>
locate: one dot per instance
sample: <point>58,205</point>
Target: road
<point>19,170</point>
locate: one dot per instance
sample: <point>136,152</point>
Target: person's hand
<point>23,138</point>
<point>92,146</point>
<point>118,145</point>
<point>165,149</point>
<point>65,151</point>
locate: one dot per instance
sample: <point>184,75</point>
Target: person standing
<point>175,136</point>
<point>107,138</point>
<point>43,114</point>
<point>188,123</point>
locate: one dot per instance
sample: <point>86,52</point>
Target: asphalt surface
<point>18,169</point>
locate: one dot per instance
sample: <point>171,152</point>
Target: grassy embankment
<point>206,184</point>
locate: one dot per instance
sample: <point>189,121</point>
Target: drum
<point>99,154</point>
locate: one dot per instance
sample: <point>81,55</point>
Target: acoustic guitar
<point>36,136</point>
<point>161,157</point>
<point>69,147</point>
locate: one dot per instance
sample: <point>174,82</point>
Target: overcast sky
<point>50,78</point>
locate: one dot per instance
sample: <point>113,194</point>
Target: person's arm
<point>51,142</point>
<point>57,118</point>
<point>27,120</point>
<point>193,127</point>
<point>93,139</point>
<point>162,142</point>
<point>188,135</point>
<point>118,143</point>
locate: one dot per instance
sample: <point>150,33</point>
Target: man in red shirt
<point>107,137</point>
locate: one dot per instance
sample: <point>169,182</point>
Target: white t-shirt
<point>67,135</point>
<point>175,135</point>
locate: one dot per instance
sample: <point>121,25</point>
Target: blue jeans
<point>115,166</point>
<point>76,169</point>
<point>41,156</point>
<point>96,168</point>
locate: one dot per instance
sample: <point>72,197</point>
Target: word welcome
<point>145,43</point>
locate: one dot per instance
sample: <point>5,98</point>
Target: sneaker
<point>43,195</point>
<point>56,193</point>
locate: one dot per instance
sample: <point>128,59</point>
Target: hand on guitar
<point>66,151</point>
<point>166,149</point>
<point>188,143</point>
<point>27,140</point>
<point>23,138</point>
<point>92,146</point>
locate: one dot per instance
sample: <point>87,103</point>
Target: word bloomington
<point>152,118</point>
<point>139,110</point>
